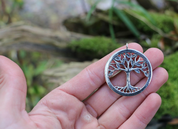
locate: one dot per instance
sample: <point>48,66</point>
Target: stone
<point>65,72</point>
<point>51,13</point>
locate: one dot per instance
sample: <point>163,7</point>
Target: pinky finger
<point>144,113</point>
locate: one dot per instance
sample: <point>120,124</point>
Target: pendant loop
<point>132,62</point>
<point>126,46</point>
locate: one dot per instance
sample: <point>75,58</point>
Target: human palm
<point>73,106</point>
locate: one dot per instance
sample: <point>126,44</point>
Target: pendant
<point>131,62</point>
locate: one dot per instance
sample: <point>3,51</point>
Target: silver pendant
<point>128,60</point>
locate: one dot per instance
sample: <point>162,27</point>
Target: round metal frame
<point>130,60</point>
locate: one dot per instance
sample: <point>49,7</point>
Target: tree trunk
<point>128,85</point>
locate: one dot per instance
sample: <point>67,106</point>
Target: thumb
<point>12,86</point>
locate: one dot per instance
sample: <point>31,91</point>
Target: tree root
<point>127,89</point>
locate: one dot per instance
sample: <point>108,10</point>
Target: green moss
<point>161,21</point>
<point>90,48</point>
<point>169,91</point>
<point>154,41</point>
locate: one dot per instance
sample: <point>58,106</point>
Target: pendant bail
<point>126,46</point>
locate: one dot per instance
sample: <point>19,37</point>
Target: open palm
<point>71,106</point>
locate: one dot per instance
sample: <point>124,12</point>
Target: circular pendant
<point>131,62</point>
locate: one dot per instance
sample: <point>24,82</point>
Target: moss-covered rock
<point>162,21</point>
<point>90,48</point>
<point>169,92</point>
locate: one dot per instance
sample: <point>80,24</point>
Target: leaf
<point>92,9</point>
<point>146,74</point>
<point>127,21</point>
<point>144,65</point>
<point>134,55</point>
<point>137,64</point>
<point>118,65</point>
<point>137,71</point>
<point>175,25</point>
<point>29,72</point>
<point>111,29</point>
<point>40,68</point>
<point>131,62</point>
<point>117,58</point>
<point>111,73</point>
<point>123,61</point>
<point>41,90</point>
<point>22,54</point>
<point>140,9</point>
<point>147,22</point>
<point>128,56</point>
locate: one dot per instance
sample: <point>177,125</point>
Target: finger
<point>104,97</point>
<point>12,86</point>
<point>121,110</point>
<point>91,78</point>
<point>144,113</point>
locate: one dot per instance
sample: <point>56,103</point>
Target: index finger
<point>92,77</point>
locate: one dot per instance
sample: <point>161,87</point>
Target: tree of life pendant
<point>132,62</point>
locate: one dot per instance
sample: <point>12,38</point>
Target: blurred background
<point>53,40</point>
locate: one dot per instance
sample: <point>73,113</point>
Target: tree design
<point>128,62</point>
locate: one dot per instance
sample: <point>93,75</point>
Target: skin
<point>69,107</point>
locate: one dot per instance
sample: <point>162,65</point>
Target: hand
<point>69,107</point>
